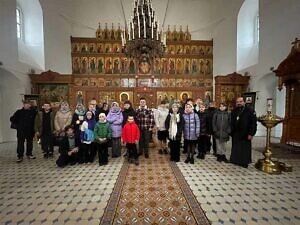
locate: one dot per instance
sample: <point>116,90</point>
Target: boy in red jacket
<point>131,136</point>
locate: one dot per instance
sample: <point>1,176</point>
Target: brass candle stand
<point>267,164</point>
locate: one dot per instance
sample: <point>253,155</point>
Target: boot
<point>223,157</point>
<point>219,159</point>
<point>192,160</point>
<point>187,160</point>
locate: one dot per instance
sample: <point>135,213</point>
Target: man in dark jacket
<point>68,149</point>
<point>243,128</point>
<point>211,111</point>
<point>23,119</point>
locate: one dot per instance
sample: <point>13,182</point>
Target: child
<point>68,149</point>
<point>221,127</point>
<point>131,136</point>
<point>191,131</point>
<point>87,137</point>
<point>44,127</point>
<point>162,133</point>
<point>102,133</point>
<point>174,126</point>
<point>203,140</point>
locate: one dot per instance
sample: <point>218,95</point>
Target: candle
<point>269,104</point>
<point>152,30</point>
<point>144,26</point>
<point>132,31</point>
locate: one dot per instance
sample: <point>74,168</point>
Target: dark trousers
<point>203,144</point>
<point>65,159</point>
<point>47,143</point>
<point>116,147</point>
<point>190,147</point>
<point>20,146</point>
<point>102,153</point>
<point>93,152</point>
<point>175,150</point>
<point>132,150</point>
<point>85,153</point>
<point>144,142</point>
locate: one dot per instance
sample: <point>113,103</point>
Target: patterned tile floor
<point>37,192</point>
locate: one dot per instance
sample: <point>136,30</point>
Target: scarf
<point>173,125</point>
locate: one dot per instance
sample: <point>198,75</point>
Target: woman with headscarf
<point>77,118</point>
<point>115,119</point>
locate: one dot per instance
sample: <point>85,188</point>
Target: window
<point>19,23</point>
<point>257,28</point>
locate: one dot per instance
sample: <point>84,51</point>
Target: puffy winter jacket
<point>130,133</point>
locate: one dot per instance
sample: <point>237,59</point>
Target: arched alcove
<point>11,89</point>
<point>248,34</point>
<point>31,45</point>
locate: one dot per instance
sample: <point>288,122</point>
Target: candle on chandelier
<point>144,26</point>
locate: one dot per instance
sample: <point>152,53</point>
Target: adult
<point>115,120</point>
<point>23,119</point>
<point>160,117</point>
<point>127,110</point>
<point>243,128</point>
<point>145,122</point>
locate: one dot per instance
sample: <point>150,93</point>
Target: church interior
<point>217,50</point>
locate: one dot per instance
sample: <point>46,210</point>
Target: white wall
<point>279,25</point>
<point>14,79</point>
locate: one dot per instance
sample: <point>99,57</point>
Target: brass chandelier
<point>142,38</point>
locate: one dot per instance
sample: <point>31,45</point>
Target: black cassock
<point>243,123</point>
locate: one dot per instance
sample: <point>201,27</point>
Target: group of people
<point>83,133</point>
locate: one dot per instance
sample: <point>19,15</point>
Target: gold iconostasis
<point>101,70</point>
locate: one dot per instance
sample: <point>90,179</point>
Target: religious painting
<point>124,82</point>
<point>85,82</point>
<point>116,65</point>
<point>208,67</point>
<point>131,66</point>
<point>100,65</point>
<point>116,82</point>
<point>171,49</point>
<point>171,66</point>
<point>101,82</point>
<point>84,65</point>
<point>124,65</point>
<point>194,66</point>
<point>34,100</point>
<point>75,47</point>
<point>92,65</point>
<point>77,82</point>
<point>126,96</point>
<point>208,50</point>
<point>100,48</point>
<point>207,98</point>
<point>249,98</point>
<point>131,82</point>
<point>144,67</point>
<point>179,49</point>
<point>202,50</point>
<point>156,83</point>
<point>53,93</point>
<point>108,48</point>
<point>187,66</point>
<point>201,66</point>
<point>76,65</point>
<point>83,47</point>
<point>156,66</point>
<point>165,83</point>
<point>179,66</point>
<point>116,48</point>
<point>94,82</point>
<point>172,82</point>
<point>164,66</point>
<point>184,95</point>
<point>108,65</point>
<point>106,96</point>
<point>144,82</point>
<point>79,98</point>
<point>187,49</point>
<point>194,49</point>
<point>167,96</point>
<point>92,48</point>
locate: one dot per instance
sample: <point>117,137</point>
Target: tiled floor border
<point>198,212</point>
<point>113,201</point>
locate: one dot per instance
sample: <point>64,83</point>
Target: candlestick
<point>269,104</point>
<point>152,30</point>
